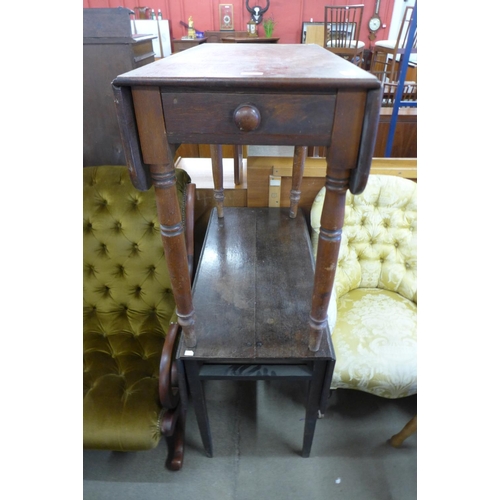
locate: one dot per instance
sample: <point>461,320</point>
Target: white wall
<point>397,16</point>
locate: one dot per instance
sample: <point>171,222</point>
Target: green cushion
<point>127,307</point>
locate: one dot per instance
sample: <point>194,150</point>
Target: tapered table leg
<point>199,403</point>
<point>313,405</point>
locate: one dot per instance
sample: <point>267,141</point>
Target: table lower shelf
<point>253,289</point>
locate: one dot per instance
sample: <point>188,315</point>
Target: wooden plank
<point>258,172</point>
<point>402,167</point>
<point>316,167</point>
<point>274,191</point>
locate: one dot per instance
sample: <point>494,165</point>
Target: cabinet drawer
<point>301,119</point>
<point>143,53</point>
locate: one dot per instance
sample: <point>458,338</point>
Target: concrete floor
<point>257,436</point>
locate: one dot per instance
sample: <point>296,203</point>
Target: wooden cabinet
<point>216,36</point>
<point>187,43</point>
<point>109,49</point>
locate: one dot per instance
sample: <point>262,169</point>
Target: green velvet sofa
<point>130,397</point>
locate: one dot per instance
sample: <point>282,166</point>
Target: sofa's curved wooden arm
<point>169,390</point>
<point>189,232</point>
<point>173,420</point>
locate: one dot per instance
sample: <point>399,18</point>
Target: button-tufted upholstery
<point>128,307</point>
<point>373,309</point>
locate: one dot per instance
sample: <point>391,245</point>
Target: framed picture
<point>340,31</point>
<point>226,17</point>
<point>315,31</point>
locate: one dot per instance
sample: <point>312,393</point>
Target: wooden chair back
<point>404,29</point>
<point>342,29</point>
<point>387,53</point>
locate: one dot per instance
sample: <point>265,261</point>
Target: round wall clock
<point>374,23</point>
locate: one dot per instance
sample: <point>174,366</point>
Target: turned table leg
<point>238,164</point>
<point>216,154</point>
<point>174,244</point>
<point>344,171</point>
<point>156,152</point>
<point>332,221</point>
<point>299,158</point>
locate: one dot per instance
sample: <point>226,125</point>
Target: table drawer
<point>218,118</point>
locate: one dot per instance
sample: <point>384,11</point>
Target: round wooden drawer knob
<point>246,117</point>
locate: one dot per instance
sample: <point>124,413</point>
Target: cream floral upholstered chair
<point>373,309</point>
<point>130,398</point>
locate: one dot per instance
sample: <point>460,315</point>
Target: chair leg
<point>379,65</point>
<point>175,444</point>
<point>175,439</point>
<point>409,429</point>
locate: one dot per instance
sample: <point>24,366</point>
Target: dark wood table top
<point>253,288</point>
<point>230,66</point>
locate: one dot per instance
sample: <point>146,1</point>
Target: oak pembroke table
<point>253,94</point>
